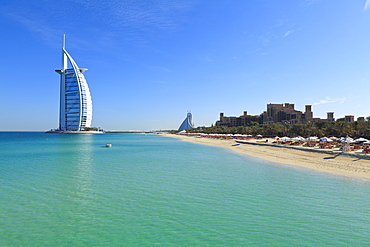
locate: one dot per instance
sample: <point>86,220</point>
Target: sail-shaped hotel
<point>187,123</point>
<point>75,98</point>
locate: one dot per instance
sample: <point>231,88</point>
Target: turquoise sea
<point>149,190</point>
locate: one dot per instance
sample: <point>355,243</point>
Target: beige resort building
<point>278,113</point>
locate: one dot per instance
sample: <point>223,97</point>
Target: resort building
<point>75,97</point>
<point>361,119</point>
<point>349,118</point>
<point>187,123</point>
<point>275,113</point>
<point>281,113</point>
<point>286,114</point>
<point>330,116</point>
<point>238,121</point>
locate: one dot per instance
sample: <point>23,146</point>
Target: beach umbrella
<point>325,139</point>
<point>276,137</point>
<point>258,135</point>
<point>367,143</point>
<point>312,138</point>
<point>285,138</point>
<point>333,138</point>
<point>361,140</point>
<point>298,138</point>
<point>347,140</point>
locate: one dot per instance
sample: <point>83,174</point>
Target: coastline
<point>333,162</point>
<point>75,132</point>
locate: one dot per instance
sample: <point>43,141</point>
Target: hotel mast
<point>75,97</point>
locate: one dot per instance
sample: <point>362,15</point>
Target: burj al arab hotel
<point>75,98</point>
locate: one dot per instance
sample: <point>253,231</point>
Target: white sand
<point>337,163</point>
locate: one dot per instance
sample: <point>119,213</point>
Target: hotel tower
<point>75,98</point>
<point>187,123</point>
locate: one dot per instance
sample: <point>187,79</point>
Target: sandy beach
<point>354,164</point>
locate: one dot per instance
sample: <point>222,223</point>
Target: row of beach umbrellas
<point>299,138</point>
<point>325,139</point>
<point>229,135</point>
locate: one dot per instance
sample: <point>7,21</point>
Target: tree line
<point>336,128</point>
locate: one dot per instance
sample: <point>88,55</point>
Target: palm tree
<point>343,128</point>
<point>298,129</point>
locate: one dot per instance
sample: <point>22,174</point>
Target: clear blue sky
<point>151,61</point>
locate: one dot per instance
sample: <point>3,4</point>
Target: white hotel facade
<point>75,97</point>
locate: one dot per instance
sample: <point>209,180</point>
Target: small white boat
<point>108,145</point>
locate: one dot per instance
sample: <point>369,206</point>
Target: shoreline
<point>75,132</point>
<point>333,162</point>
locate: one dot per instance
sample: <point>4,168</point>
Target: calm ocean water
<point>148,190</point>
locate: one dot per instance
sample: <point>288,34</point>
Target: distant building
<point>75,99</point>
<point>187,123</point>
<point>286,114</point>
<point>349,118</point>
<point>308,114</point>
<point>330,116</point>
<point>282,113</point>
<point>238,121</point>
<point>275,113</point>
<point>361,119</point>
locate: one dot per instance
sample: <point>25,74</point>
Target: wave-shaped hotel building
<point>75,112</point>
<point>187,123</point>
